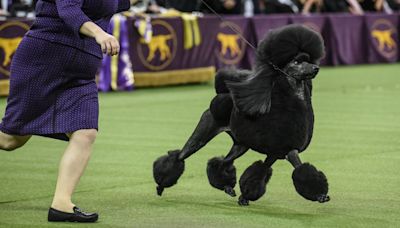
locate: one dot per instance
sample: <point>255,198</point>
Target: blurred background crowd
<point>239,7</point>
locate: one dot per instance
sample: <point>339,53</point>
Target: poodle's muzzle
<point>314,71</point>
<point>301,71</point>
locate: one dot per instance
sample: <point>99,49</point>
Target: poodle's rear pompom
<point>222,176</point>
<point>253,182</point>
<point>311,183</point>
<point>167,170</point>
<point>283,44</point>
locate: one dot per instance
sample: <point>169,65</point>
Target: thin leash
<point>231,27</point>
<point>223,20</point>
<point>275,67</point>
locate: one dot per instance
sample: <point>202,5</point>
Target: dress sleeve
<point>123,5</point>
<point>71,13</point>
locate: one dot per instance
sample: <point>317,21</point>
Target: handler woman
<point>53,91</point>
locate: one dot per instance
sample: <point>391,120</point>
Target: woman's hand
<point>109,45</point>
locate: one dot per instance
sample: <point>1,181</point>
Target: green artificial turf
<point>356,143</point>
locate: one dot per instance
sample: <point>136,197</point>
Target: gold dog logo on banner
<point>232,48</point>
<point>158,43</point>
<point>161,50</point>
<point>8,45</point>
<point>229,41</point>
<point>383,32</point>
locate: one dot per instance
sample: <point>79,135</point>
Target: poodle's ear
<point>252,96</point>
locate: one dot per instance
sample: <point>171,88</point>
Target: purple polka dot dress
<point>52,84</point>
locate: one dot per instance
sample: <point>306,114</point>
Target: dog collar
<point>276,68</point>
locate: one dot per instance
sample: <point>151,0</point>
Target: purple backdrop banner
<point>262,24</point>
<point>167,51</point>
<point>383,38</point>
<point>230,49</point>
<point>349,39</point>
<point>193,43</point>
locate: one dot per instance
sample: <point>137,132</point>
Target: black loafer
<point>76,216</point>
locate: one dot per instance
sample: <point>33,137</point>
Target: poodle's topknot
<point>283,44</point>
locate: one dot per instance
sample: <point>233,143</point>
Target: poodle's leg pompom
<point>222,175</point>
<point>253,182</point>
<point>167,170</point>
<point>311,183</point>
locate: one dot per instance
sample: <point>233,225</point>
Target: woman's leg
<point>12,142</point>
<point>72,166</point>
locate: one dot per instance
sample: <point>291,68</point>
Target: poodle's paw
<point>222,175</point>
<point>311,183</point>
<point>243,202</point>
<point>323,198</point>
<point>167,170</point>
<point>230,191</point>
<point>253,182</point>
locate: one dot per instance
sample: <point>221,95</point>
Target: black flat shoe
<point>76,216</point>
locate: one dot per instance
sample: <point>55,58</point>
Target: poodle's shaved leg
<point>206,129</point>
<point>269,161</point>
<point>236,152</point>
<point>294,158</point>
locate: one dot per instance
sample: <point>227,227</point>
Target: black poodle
<point>267,110</point>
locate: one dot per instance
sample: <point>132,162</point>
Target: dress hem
<point>54,135</point>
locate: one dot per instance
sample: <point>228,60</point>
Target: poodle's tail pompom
<point>167,170</point>
<point>222,176</point>
<point>231,75</point>
<point>311,183</point>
